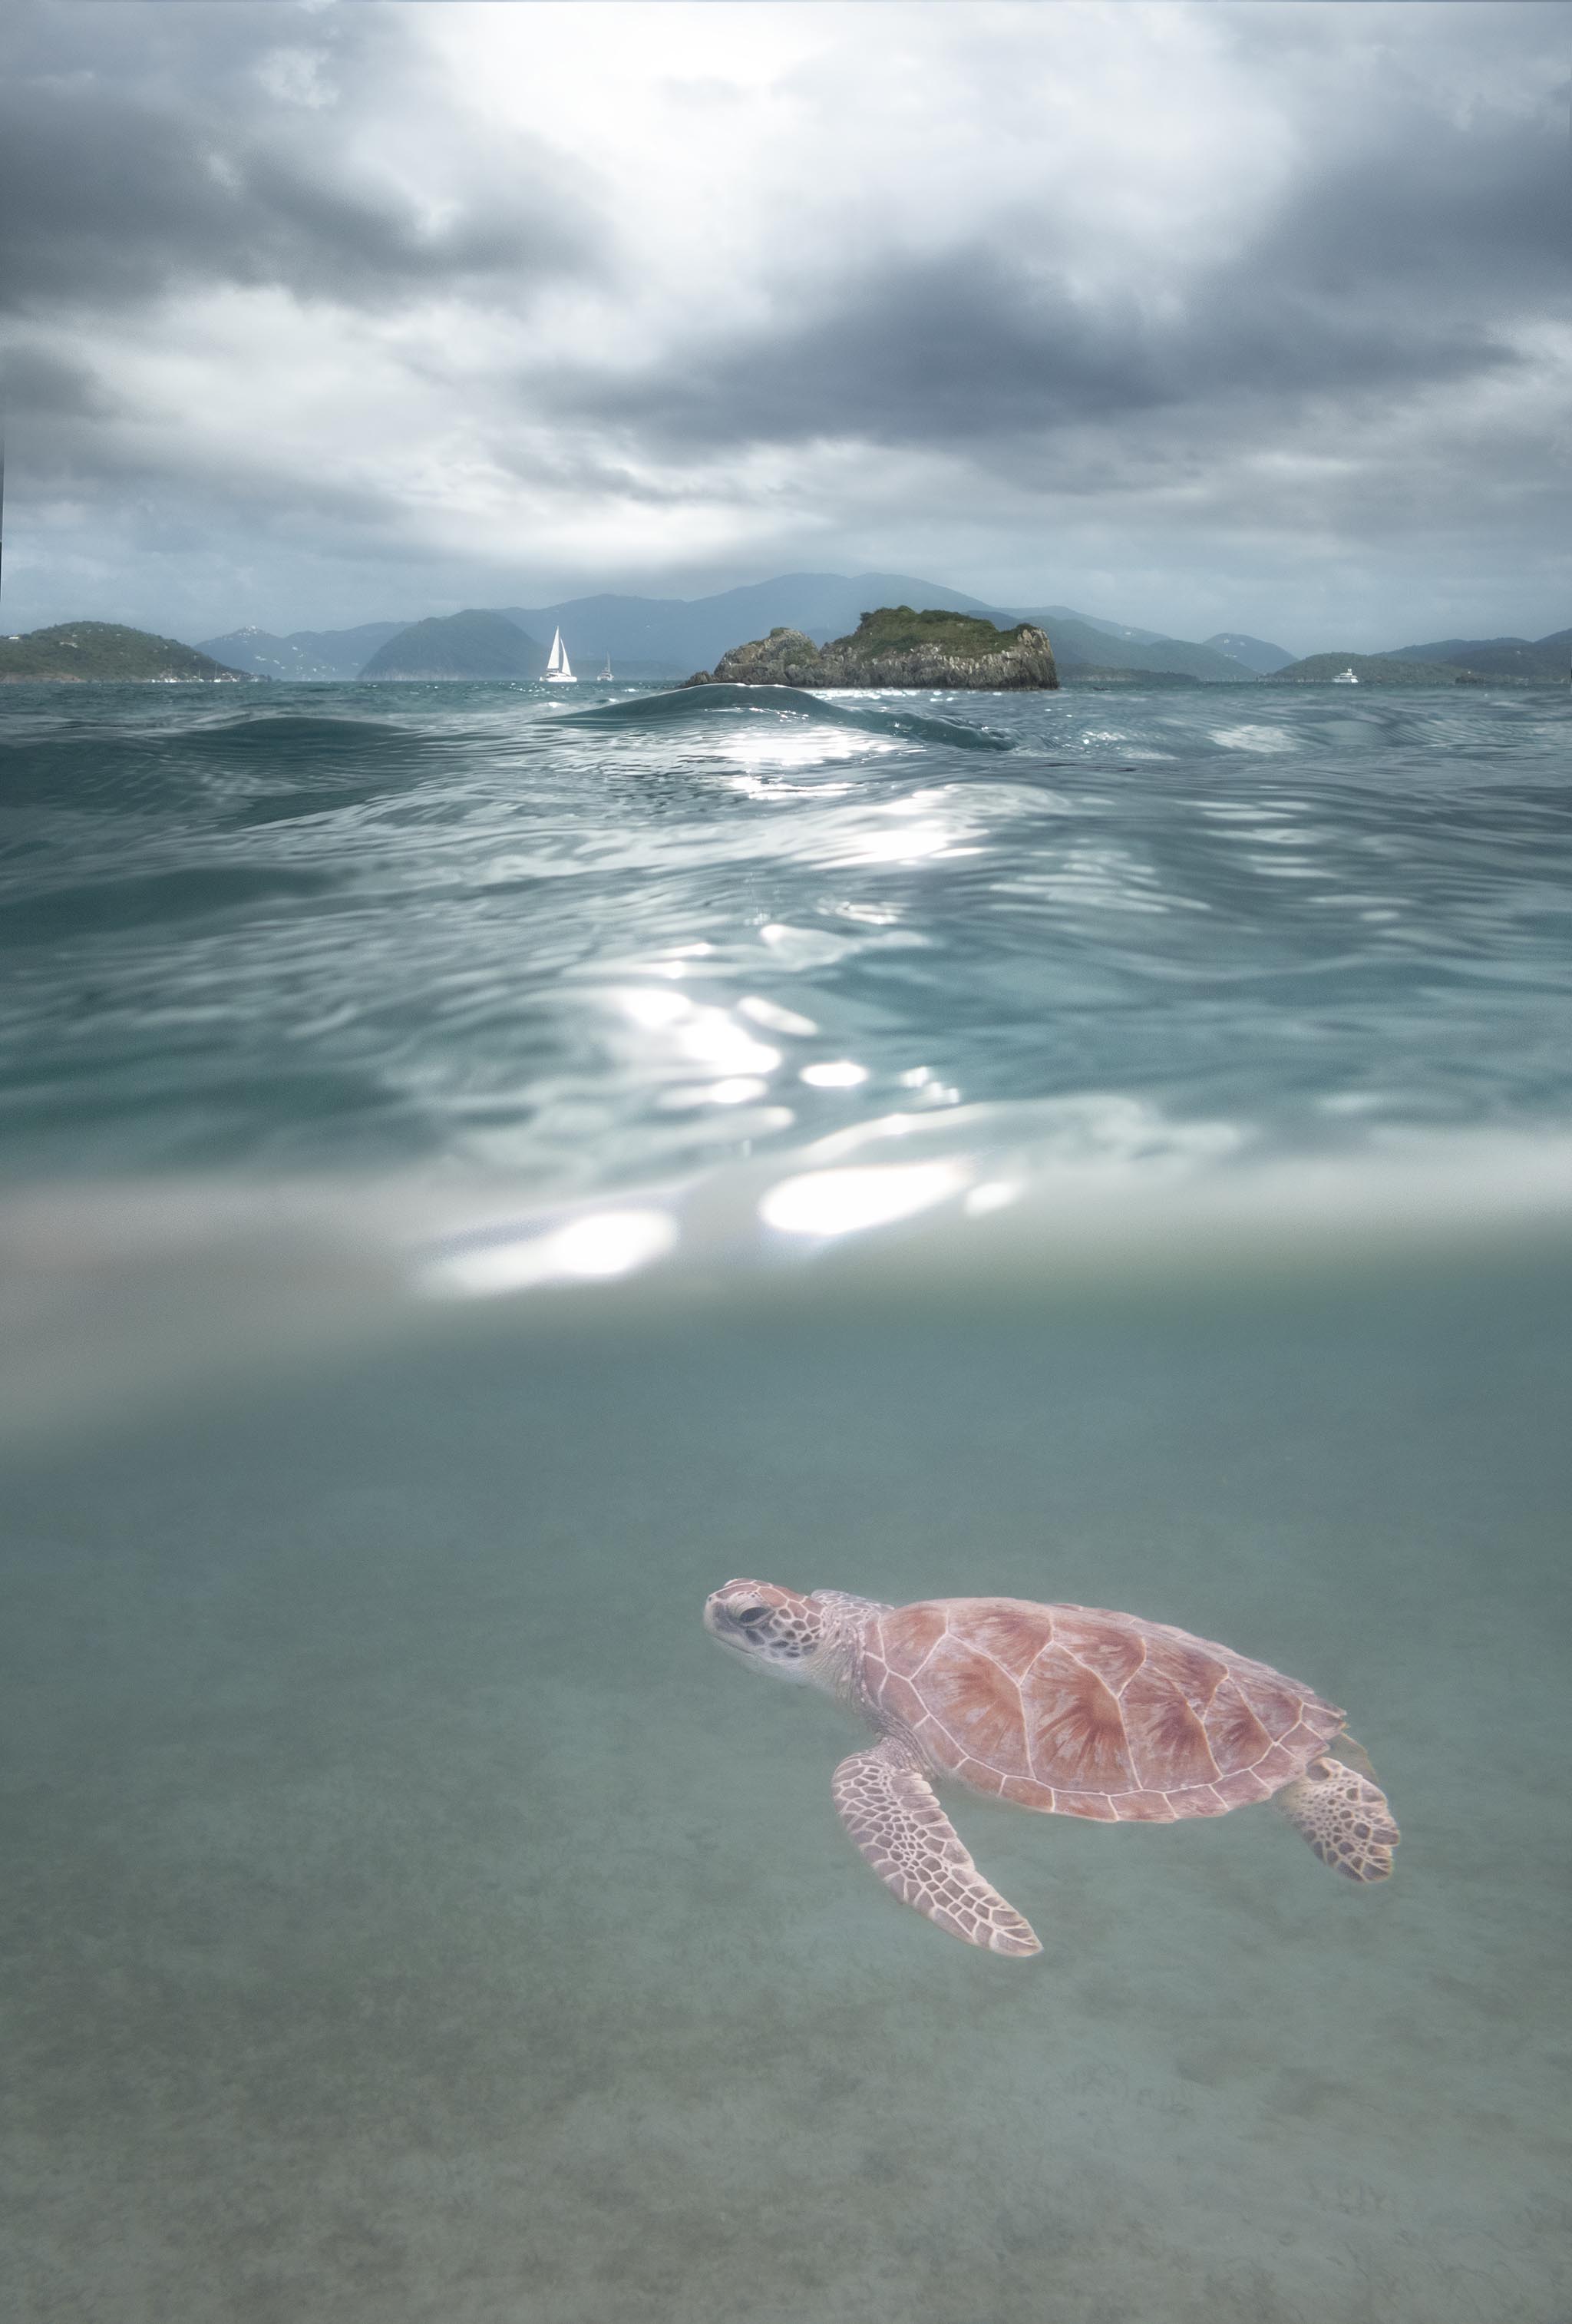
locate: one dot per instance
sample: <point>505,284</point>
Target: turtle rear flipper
<point>1344,1817</point>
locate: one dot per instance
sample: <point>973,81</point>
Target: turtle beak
<point>719,1619</point>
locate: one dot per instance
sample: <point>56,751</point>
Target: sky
<point>1192,314</point>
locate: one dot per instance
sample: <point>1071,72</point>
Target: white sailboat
<point>606,673</point>
<point>557,672</point>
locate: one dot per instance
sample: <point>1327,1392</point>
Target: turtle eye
<point>754,1614</point>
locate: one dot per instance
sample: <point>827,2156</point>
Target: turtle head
<point>775,1629</point>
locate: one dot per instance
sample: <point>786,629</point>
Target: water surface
<point>479,1177</point>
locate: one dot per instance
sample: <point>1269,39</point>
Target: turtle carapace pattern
<point>1066,1710</point>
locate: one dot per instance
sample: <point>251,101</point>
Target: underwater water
<point>479,1176</point>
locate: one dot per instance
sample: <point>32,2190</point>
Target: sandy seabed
<point>410,1918</point>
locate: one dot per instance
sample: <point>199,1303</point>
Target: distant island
<point>85,653</point>
<point>895,647</point>
<point>656,638</point>
<point>1458,661</point>
<point>1370,670</point>
<point>473,644</point>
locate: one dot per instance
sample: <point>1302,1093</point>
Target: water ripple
<point>359,927</point>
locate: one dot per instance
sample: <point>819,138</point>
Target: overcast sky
<point>1197,316</point>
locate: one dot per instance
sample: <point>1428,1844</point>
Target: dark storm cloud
<point>172,164</point>
<point>1386,273</point>
<point>53,388</point>
<point>965,350</point>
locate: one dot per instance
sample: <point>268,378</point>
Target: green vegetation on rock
<point>897,628</point>
<point>895,647</point>
<point>83,653</point>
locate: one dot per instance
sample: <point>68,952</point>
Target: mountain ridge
<point>665,637</point>
<point>308,657</point>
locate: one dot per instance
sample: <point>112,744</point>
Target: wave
<point>700,702</point>
<point>155,900</point>
<point>274,730</point>
<point>318,762</point>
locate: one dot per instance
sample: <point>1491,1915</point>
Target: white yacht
<point>606,673</point>
<point>557,671</point>
<point>1344,677</point>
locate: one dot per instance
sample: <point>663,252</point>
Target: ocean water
<point>478,1171</point>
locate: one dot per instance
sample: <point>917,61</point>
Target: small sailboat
<point>557,671</point>
<point>1344,677</point>
<point>606,673</point>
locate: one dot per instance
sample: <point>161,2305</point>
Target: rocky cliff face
<point>888,651</point>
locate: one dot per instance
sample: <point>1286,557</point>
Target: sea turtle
<point>1069,1709</point>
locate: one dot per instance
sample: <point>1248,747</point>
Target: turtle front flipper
<point>1344,1817</point>
<point>887,1805</point>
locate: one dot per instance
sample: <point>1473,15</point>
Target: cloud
<point>129,171</point>
<point>1206,314</point>
<point>1371,273</point>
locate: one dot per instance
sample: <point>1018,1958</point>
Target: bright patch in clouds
<point>1206,316</point>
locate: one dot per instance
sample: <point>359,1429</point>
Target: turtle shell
<point>1074,1711</point>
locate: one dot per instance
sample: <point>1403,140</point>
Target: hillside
<point>471,644</point>
<point>657,635</point>
<point>306,656</point>
<point>895,647</point>
<point>669,635</point>
<point>87,653</point>
<point>1077,646</point>
<point>661,637</point>
<point>1370,670</point>
<point>1254,654</point>
<point>1538,663</point>
<point>1126,630</point>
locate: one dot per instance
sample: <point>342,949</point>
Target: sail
<point>563,669</point>
<point>556,657</point>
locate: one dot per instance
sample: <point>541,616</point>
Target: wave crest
<point>701,702</point>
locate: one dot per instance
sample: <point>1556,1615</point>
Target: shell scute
<point>1076,1730</point>
<point>978,1704</point>
<point>1095,1805</point>
<point>1168,1743</point>
<point>1236,1735</point>
<point>1282,1764</point>
<point>1275,1702</point>
<point>1023,1792</point>
<point>908,1634</point>
<point>898,1699</point>
<point>1205,1800</point>
<point>1187,1667</point>
<point>1114,1650</point>
<point>1073,1710</point>
<point>1242,1790</point>
<point>1011,1634</point>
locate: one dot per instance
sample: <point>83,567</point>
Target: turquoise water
<point>430,1273</point>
